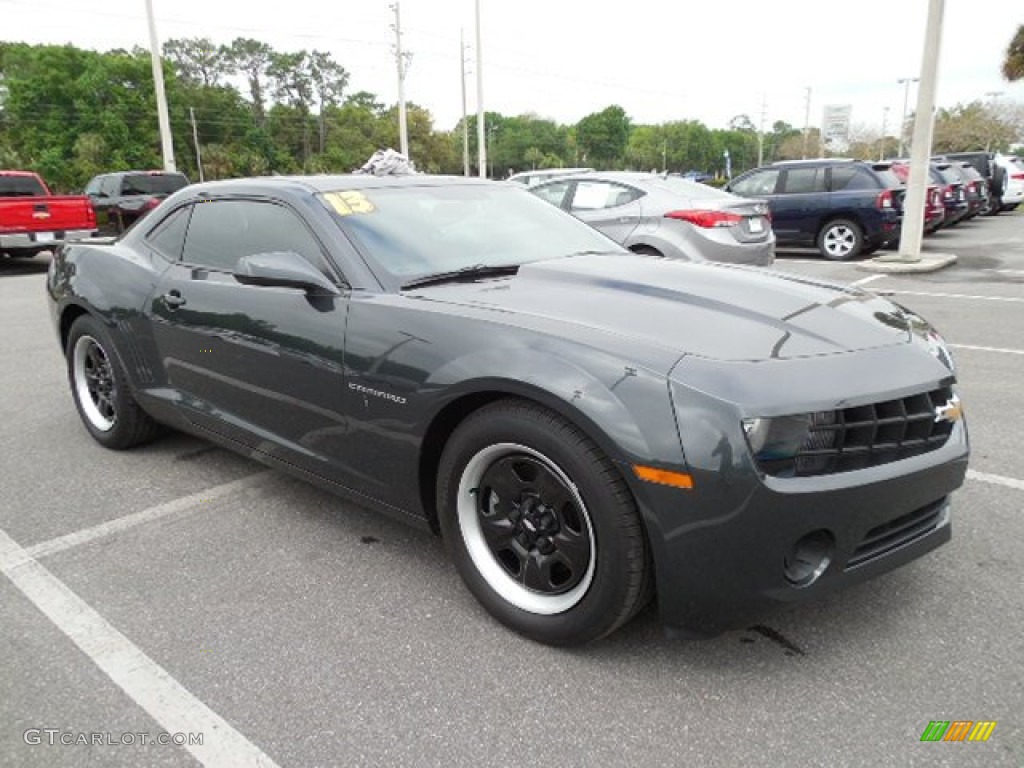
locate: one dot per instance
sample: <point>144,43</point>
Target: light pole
<point>481,142</point>
<point>402,64</point>
<point>166,143</point>
<point>905,82</point>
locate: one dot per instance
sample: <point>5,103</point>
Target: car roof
<point>550,172</point>
<point>816,160</point>
<point>19,173</point>
<point>635,177</point>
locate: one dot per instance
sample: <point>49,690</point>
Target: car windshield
<point>20,186</point>
<point>423,230</point>
<point>152,184</point>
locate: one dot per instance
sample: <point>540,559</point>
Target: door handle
<point>174,299</point>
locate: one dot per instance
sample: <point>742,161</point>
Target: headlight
<point>775,442</point>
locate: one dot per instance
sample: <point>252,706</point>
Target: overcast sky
<point>659,59</point>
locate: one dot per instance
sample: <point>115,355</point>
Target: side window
<point>848,178</point>
<point>168,237</point>
<point>758,183</point>
<point>222,231</point>
<point>110,186</point>
<point>595,195</point>
<point>553,193</point>
<point>804,180</point>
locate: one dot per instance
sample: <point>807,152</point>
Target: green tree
<point>966,127</point>
<point>1013,64</point>
<point>602,137</point>
<point>251,59</point>
<point>197,61</point>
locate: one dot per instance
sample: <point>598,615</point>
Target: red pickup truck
<point>33,220</point>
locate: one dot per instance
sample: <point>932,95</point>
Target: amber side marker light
<point>663,476</point>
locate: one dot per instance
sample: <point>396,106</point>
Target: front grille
<point>896,533</point>
<point>868,435</point>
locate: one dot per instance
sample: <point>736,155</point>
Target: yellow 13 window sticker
<point>347,203</point>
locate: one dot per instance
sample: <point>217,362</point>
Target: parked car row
<point>32,219</point>
<point>844,208</point>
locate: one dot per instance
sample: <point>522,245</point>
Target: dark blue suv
<point>843,207</point>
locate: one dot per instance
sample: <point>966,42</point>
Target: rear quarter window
<point>852,178</point>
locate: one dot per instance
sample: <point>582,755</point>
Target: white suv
<point>1013,190</point>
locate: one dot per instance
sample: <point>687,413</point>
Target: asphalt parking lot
<point>293,629</point>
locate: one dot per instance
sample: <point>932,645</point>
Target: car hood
<point>720,312</point>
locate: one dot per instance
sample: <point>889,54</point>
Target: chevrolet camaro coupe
<point>586,427</point>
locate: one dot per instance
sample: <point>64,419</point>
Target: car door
<point>611,208</point>
<point>263,366</point>
<point>799,205</point>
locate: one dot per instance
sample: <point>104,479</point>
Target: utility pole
<point>403,131</point>
<point>166,143</point>
<point>760,133</point>
<point>807,122</point>
<point>465,119</point>
<point>195,140</point>
<point>481,134</point>
<point>905,82</point>
<point>881,142</point>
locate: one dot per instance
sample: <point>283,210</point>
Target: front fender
<point>625,408</point>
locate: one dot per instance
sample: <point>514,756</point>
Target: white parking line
<point>985,477</point>
<point>988,349</point>
<point>1012,299</point>
<point>868,279</point>
<point>147,683</point>
<point>189,503</point>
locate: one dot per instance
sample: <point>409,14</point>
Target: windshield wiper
<point>466,273</point>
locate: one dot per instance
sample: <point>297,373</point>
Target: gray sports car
<point>586,427</point>
<point>667,216</point>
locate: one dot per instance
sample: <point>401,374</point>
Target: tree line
<point>70,113</point>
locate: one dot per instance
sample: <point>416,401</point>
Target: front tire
<point>840,239</point>
<point>541,526</point>
<point>100,389</point>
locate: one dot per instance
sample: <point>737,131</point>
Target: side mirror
<point>283,269</point>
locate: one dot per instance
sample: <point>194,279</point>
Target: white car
<point>1013,192</point>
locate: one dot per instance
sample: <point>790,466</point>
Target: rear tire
<point>840,240</point>
<point>541,526</point>
<point>100,389</point>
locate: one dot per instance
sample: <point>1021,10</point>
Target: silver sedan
<point>667,216</point>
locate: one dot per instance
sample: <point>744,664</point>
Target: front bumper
<point>728,566</point>
<point>722,548</point>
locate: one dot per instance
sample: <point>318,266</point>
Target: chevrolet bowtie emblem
<point>952,411</point>
<point>40,215</point>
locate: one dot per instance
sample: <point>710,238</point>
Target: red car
<point>33,220</point>
<point>934,208</point>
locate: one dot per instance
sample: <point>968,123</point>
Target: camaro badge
<point>952,411</point>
